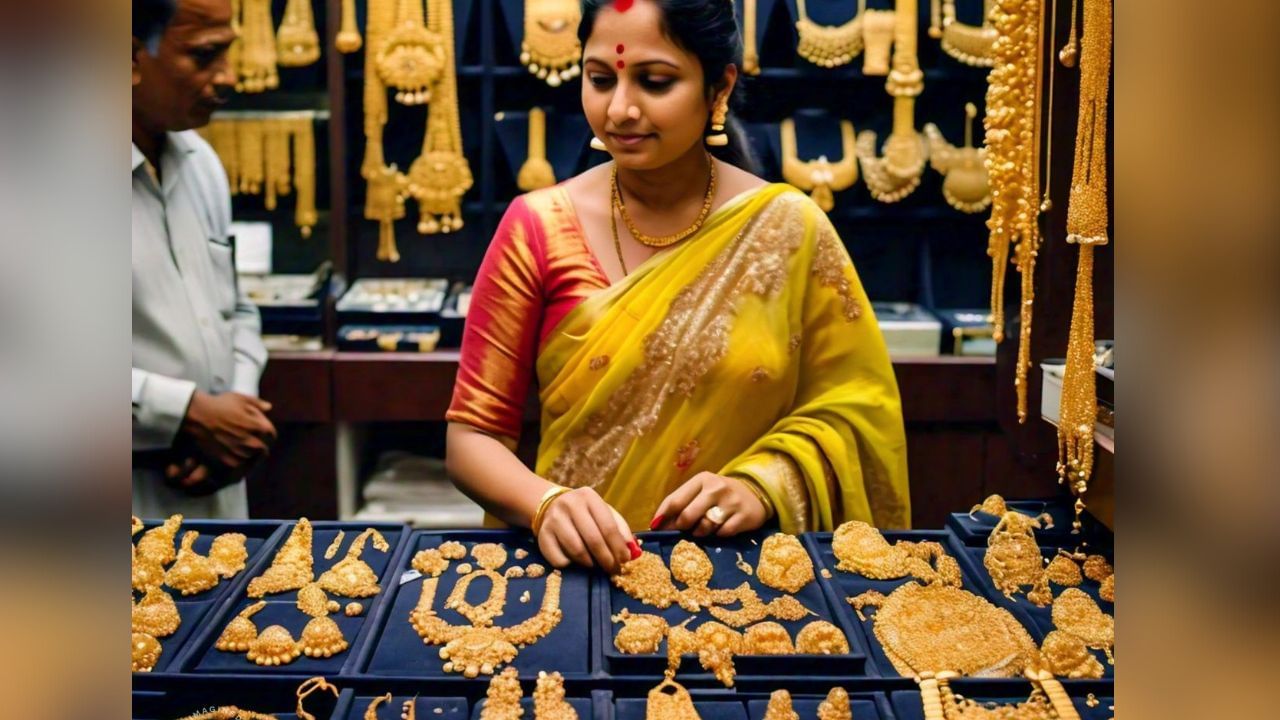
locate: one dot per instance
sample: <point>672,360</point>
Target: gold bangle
<point>756,490</point>
<point>551,494</point>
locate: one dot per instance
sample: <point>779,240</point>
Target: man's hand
<point>230,428</point>
<point>197,476</point>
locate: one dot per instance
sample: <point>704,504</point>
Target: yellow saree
<point>749,350</point>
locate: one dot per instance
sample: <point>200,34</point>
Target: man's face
<point>180,86</point>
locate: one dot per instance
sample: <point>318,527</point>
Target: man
<point>197,348</point>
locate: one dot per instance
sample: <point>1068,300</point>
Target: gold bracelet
<point>551,494</point>
<point>756,490</point>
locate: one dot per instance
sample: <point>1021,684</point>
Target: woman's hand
<point>579,526</point>
<point>689,507</point>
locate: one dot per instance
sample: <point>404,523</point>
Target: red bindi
<point>623,5</point>
<point>621,64</point>
<point>620,48</point>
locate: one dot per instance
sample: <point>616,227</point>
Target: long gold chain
<point>821,178</point>
<point>617,243</point>
<point>828,45</point>
<point>1012,121</point>
<point>663,241</point>
<point>1086,227</point>
<point>750,53</point>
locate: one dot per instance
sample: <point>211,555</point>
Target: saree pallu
<point>749,350</point>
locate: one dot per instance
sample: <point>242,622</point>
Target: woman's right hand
<point>579,526</point>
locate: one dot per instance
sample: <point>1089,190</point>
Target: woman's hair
<point>709,30</point>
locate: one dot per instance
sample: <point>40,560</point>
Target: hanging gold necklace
<point>440,175</point>
<point>1012,137</point>
<point>970,44</point>
<point>966,186</point>
<point>829,45</point>
<point>413,58</point>
<point>898,173</point>
<point>750,53</point>
<point>1086,227</point>
<point>304,175</point>
<point>820,178</point>
<point>550,48</point>
<point>536,172</point>
<point>663,241</point>
<point>297,42</point>
<point>257,54</point>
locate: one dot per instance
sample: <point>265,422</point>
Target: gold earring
<point>598,144</point>
<point>718,138</point>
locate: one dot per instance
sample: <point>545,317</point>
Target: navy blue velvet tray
<point>352,707</point>
<point>585,708</point>
<point>201,656</point>
<point>611,600</point>
<point>260,537</point>
<point>187,696</point>
<point>728,709</point>
<point>906,703</point>
<point>974,530</point>
<point>864,706</point>
<point>843,585</point>
<point>1038,621</point>
<point>395,650</point>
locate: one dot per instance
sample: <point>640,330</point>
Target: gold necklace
<point>829,45</point>
<point>413,58</point>
<point>750,53</point>
<point>970,44</point>
<point>550,48</point>
<point>663,241</point>
<point>1086,227</point>
<point>304,175</point>
<point>1012,137</point>
<point>536,172</point>
<point>821,178</point>
<point>440,176</point>
<point>257,54</point>
<point>617,243</point>
<point>898,173</point>
<point>966,186</point>
<point>297,42</point>
<point>348,38</point>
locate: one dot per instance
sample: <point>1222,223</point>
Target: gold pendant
<point>670,701</point>
<point>965,186</point>
<point>550,48</point>
<point>412,59</point>
<point>970,44</point>
<point>291,567</point>
<point>297,42</point>
<point>784,564</point>
<point>191,573</point>
<point>536,172</point>
<point>352,576</point>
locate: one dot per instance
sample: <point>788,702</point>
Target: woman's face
<point>642,94</point>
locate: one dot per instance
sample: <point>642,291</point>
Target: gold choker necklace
<point>821,178</point>
<point>663,240</point>
<point>829,45</point>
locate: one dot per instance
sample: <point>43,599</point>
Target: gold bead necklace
<point>663,241</point>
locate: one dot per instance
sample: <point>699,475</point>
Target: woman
<point>705,355</point>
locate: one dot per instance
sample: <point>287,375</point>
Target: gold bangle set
<point>155,615</point>
<point>255,152</point>
<point>548,497</point>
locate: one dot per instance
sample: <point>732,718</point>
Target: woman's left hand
<point>692,507</point>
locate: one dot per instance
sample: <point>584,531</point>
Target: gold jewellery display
<point>258,50</point>
<point>1012,136</point>
<point>970,44</point>
<point>155,615</point>
<point>860,548</point>
<point>418,60</point>
<point>1048,701</point>
<point>480,647</point>
<point>550,48</point>
<point>231,712</point>
<point>821,178</point>
<point>829,46</point>
<point>254,148</point>
<point>750,52</point>
<point>897,174</point>
<point>878,31</point>
<point>966,185</point>
<point>536,172</point>
<point>1086,227</point>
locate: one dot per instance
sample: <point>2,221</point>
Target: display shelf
<point>394,650</point>
<point>724,556</point>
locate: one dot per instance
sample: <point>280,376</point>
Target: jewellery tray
<point>844,585</point>
<point>712,705</point>
<point>404,344</point>
<point>1037,620</point>
<point>973,531</point>
<point>365,302</point>
<point>260,536</point>
<point>290,304</point>
<point>275,696</point>
<point>453,316</point>
<point>611,600</point>
<point>200,656</point>
<point>394,650</point>
<point>906,703</point>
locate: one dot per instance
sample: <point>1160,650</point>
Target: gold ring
<point>715,514</point>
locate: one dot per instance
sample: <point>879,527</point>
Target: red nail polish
<point>634,548</point>
<point>657,520</point>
